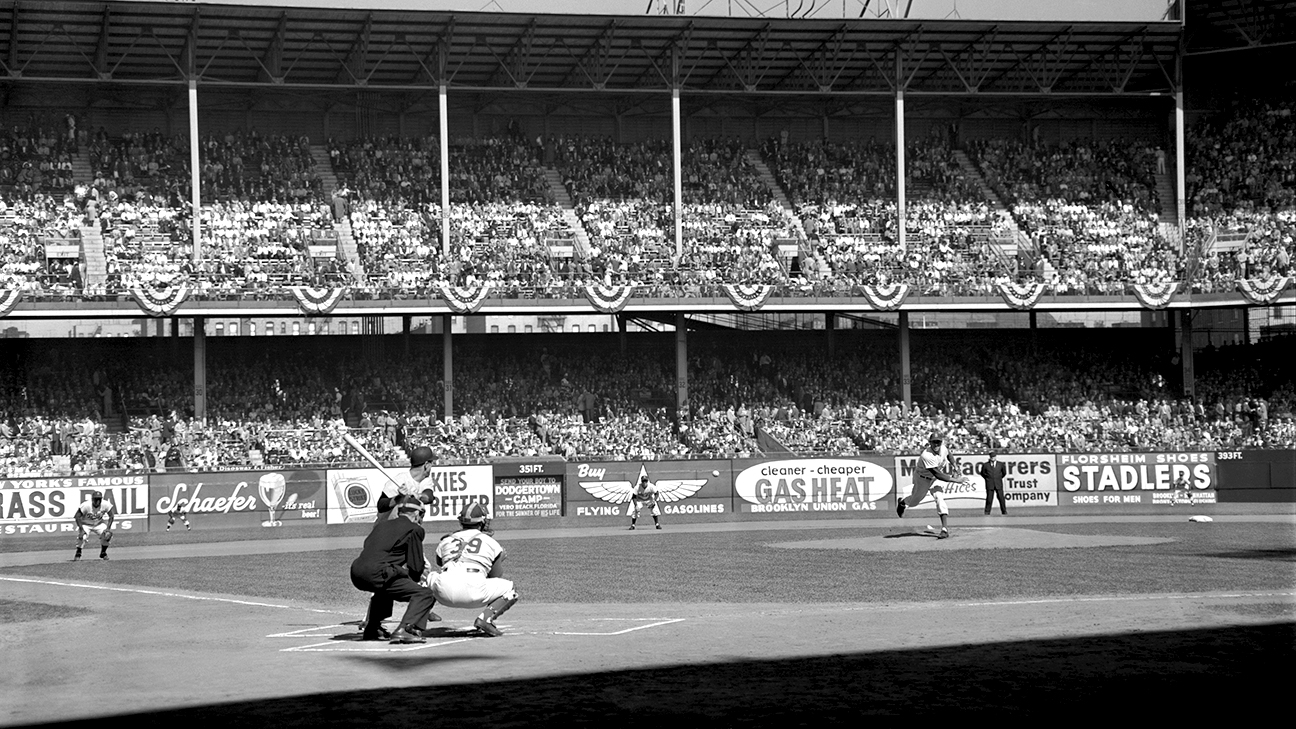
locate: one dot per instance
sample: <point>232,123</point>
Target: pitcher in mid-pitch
<point>932,473</point>
<point>471,570</point>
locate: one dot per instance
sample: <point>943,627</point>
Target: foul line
<point>628,630</point>
<point>161,593</point>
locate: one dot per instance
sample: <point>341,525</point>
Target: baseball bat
<point>364,453</point>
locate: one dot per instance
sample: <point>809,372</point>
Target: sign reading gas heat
<point>811,484</point>
<point>1136,478</point>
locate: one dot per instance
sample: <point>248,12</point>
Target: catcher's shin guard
<point>500,605</point>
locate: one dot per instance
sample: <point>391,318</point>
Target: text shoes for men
<point>487,627</point>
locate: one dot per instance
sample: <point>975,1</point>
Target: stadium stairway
<point>1009,244</point>
<point>1168,226</point>
<point>767,176</point>
<point>92,250</point>
<point>347,244</point>
<point>564,200</point>
<point>81,171</point>
<point>324,166</point>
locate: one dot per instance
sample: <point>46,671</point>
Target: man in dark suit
<point>390,566</point>
<point>993,472</point>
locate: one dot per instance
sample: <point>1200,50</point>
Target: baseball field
<point>779,623</point>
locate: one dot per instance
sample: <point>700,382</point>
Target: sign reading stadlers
<point>1136,478</point>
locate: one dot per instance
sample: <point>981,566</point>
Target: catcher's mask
<point>474,516</point>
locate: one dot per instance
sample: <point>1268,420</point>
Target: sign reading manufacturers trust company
<point>812,484</point>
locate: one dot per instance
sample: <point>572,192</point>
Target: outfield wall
<point>598,492</point>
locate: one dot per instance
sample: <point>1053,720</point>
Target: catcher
<point>472,570</point>
<point>643,495</point>
<point>95,515</point>
<point>933,472</point>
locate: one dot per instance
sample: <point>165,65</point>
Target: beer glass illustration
<point>272,489</point>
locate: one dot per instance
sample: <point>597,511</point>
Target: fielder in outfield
<point>643,496</point>
<point>472,570</point>
<point>95,515</point>
<point>933,473</point>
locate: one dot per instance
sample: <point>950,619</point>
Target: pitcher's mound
<point>921,540</point>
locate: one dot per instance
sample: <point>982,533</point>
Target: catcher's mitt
<point>107,536</point>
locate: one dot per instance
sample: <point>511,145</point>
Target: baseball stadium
<point>574,364</point>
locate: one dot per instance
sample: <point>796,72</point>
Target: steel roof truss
<point>357,56</point>
<point>746,71</point>
<point>830,66</point>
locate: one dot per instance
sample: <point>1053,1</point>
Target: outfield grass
<point>741,567</point>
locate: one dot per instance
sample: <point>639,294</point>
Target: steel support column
<point>681,364</point>
<point>195,179</point>
<point>676,156</point>
<point>445,185</point>
<point>1181,186</point>
<point>906,375</point>
<point>447,365</point>
<point>900,166</point>
<point>1186,353</point>
<point>200,368</point>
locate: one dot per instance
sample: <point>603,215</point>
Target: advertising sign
<point>683,487</point>
<point>1145,479</point>
<point>47,505</point>
<point>353,492</point>
<point>269,499</point>
<point>1030,480</point>
<point>801,485</point>
<point>529,489</point>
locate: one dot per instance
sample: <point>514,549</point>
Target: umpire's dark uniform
<point>994,472</point>
<point>390,566</point>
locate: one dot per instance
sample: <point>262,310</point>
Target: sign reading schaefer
<point>683,487</point>
<point>46,505</point>
<point>1144,479</point>
<point>1030,480</point>
<point>225,499</point>
<point>811,485</point>
<point>353,492</point>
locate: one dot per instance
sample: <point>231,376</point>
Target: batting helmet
<point>420,456</point>
<point>474,515</point>
<point>96,496</point>
<point>936,437</point>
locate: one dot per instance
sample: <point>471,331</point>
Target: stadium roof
<point>126,43</point>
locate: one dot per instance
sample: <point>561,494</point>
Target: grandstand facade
<point>219,170</point>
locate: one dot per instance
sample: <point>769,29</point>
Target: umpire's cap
<point>406,504</point>
<point>421,455</point>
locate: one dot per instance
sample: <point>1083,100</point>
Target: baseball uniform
<point>467,559</point>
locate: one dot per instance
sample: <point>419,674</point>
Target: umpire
<point>993,472</point>
<point>390,566</point>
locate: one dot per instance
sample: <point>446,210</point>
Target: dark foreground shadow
<point>1161,674</point>
<point>1278,554</point>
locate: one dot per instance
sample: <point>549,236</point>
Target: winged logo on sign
<point>668,490</point>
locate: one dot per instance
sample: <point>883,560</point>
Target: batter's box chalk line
<point>349,642</point>
<point>652,623</point>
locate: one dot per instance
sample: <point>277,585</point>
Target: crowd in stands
<point>277,407</point>
<point>1084,215</point>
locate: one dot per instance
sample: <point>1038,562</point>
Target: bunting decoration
<point>1021,296</point>
<point>313,301</point>
<point>1156,295</point>
<point>886,297</point>
<point>1263,291</point>
<point>8,300</point>
<point>160,300</point>
<point>608,299</point>
<point>748,297</point>
<point>464,299</point>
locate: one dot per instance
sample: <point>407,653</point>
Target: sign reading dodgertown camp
<point>529,489</point>
<point>353,492</point>
<point>1031,480</point>
<point>47,505</point>
<point>683,487</point>
<point>1135,478</point>
<point>811,485</point>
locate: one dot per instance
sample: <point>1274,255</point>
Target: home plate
<point>922,540</point>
